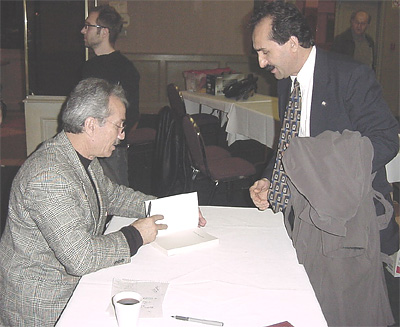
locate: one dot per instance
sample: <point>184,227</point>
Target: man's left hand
<point>202,220</point>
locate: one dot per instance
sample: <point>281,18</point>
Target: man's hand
<point>202,220</point>
<point>148,228</point>
<point>259,193</point>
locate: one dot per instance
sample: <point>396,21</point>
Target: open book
<point>181,214</point>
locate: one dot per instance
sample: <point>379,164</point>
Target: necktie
<point>279,193</point>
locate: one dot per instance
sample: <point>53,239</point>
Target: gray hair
<point>90,98</point>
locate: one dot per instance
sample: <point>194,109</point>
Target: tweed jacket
<point>54,232</point>
<point>346,95</point>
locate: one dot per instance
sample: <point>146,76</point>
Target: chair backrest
<point>169,155</point>
<point>175,99</point>
<point>195,144</point>
<point>142,135</point>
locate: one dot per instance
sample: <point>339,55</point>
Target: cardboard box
<point>195,80</point>
<point>215,84</point>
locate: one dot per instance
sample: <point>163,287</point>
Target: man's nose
<point>83,30</point>
<point>262,61</point>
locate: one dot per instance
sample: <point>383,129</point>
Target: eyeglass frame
<point>86,26</point>
<point>122,128</point>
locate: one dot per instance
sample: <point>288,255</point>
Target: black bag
<point>242,89</point>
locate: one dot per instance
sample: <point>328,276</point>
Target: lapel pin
<point>323,103</point>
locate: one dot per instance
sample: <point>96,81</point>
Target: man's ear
<point>294,43</point>
<point>90,125</point>
<point>105,32</point>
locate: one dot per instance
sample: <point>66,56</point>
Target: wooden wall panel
<point>156,72</point>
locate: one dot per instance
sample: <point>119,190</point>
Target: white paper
<point>116,224</point>
<point>185,241</point>
<point>181,212</point>
<point>152,292</point>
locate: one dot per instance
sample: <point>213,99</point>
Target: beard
<point>92,43</point>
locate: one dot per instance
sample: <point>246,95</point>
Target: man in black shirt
<point>101,30</point>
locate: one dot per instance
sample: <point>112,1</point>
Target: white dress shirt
<point>306,79</point>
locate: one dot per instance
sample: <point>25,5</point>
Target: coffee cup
<point>127,308</point>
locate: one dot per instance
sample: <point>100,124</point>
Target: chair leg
<point>229,191</point>
<point>213,192</point>
<point>192,179</point>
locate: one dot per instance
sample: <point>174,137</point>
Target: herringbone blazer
<point>54,232</point>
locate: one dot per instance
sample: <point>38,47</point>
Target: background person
<point>354,42</point>
<point>100,33</point>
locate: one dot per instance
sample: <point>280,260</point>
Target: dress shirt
<point>306,81</point>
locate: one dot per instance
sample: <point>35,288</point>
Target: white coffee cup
<point>127,308</point>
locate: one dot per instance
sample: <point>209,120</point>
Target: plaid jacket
<point>54,229</point>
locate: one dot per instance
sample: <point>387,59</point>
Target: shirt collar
<point>306,72</point>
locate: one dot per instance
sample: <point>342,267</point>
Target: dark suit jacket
<point>346,95</point>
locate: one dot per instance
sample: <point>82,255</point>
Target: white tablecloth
<point>256,118</point>
<point>251,278</point>
<point>393,169</point>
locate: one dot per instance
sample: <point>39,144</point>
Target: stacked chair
<point>141,143</point>
<point>213,162</point>
<point>141,136</point>
<point>170,170</point>
<point>209,124</point>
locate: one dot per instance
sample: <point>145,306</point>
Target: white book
<point>181,214</point>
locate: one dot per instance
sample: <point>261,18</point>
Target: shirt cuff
<point>133,237</point>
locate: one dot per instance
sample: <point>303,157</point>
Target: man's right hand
<point>259,193</point>
<point>148,228</point>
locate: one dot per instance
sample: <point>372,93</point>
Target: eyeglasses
<point>121,129</point>
<point>86,26</point>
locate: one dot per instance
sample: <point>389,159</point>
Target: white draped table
<point>256,118</point>
<point>393,169</point>
<point>252,278</point>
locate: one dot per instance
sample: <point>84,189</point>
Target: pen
<point>201,321</point>
<point>148,210</point>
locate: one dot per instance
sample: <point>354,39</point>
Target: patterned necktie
<point>279,193</point>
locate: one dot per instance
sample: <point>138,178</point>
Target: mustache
<point>269,68</point>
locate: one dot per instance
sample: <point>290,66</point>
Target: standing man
<point>354,42</point>
<point>337,93</point>
<point>100,32</point>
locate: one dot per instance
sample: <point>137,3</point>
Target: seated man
<point>58,206</point>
